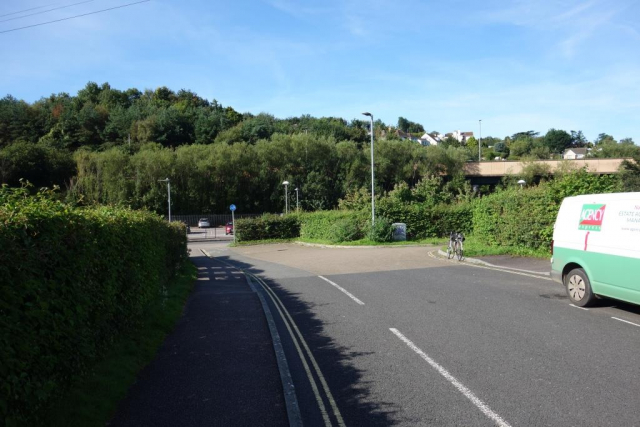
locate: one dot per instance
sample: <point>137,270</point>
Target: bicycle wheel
<point>460,253</point>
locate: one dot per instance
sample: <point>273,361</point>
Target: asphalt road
<point>398,337</point>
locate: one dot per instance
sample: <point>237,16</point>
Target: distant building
<point>429,139</point>
<point>574,153</point>
<point>404,135</point>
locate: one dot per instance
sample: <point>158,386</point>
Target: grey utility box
<point>399,231</point>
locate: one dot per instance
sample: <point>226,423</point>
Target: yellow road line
<point>314,386</point>
<point>325,386</point>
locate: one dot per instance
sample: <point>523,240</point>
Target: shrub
<point>381,231</point>
<point>321,225</point>
<point>72,280</point>
<point>346,230</point>
<point>268,227</point>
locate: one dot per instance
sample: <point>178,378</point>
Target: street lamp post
<point>286,197</point>
<point>297,201</point>
<point>168,193</point>
<point>373,203</point>
<point>480,143</point>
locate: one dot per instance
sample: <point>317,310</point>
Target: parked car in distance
<point>228,229</point>
<point>204,223</point>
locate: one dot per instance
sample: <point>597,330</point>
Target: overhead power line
<point>45,11</point>
<point>75,16</point>
<point>27,10</point>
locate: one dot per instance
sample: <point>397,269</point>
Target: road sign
<point>232,207</point>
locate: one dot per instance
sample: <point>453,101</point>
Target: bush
<point>323,225</point>
<point>381,231</point>
<point>72,280</point>
<point>424,220</point>
<point>345,230</point>
<point>268,227</point>
<point>525,217</point>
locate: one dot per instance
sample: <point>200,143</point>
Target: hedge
<point>267,227</point>
<point>425,220</point>
<point>72,279</point>
<point>334,226</point>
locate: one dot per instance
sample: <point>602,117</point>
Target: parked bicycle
<point>456,247</point>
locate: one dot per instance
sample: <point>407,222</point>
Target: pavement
<point>217,368</point>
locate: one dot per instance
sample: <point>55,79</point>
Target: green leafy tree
<point>557,140</point>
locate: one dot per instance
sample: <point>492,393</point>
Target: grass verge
<point>473,247</point>
<point>362,242</point>
<point>93,399</point>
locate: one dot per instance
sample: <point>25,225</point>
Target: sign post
<point>232,208</point>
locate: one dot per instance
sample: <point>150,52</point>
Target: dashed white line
<point>581,308</point>
<point>457,384</point>
<point>626,321</point>
<point>346,292</point>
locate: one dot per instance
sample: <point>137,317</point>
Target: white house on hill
<point>574,153</point>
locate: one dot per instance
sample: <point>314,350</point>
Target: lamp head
<point>368,114</point>
<point>285,183</point>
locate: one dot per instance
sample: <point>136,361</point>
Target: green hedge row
<point>424,220</point>
<point>267,227</point>
<point>334,226</point>
<point>525,217</point>
<point>72,279</point>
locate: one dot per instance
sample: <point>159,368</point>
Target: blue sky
<point>518,65</point>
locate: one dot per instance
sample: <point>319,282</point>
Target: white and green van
<point>596,247</point>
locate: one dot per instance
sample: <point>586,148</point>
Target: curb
<point>488,264</point>
<point>321,245</point>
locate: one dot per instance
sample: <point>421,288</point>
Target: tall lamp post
<point>373,203</point>
<point>297,201</point>
<point>480,143</point>
<point>286,197</point>
<point>168,193</point>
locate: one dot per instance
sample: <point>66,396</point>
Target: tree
<point>604,138</point>
<point>409,126</point>
<point>578,139</point>
<point>630,173</point>
<point>557,140</point>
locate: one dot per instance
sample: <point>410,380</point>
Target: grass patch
<point>93,399</point>
<point>260,242</point>
<point>474,247</point>
<point>362,242</point>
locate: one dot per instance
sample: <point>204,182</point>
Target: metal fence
<point>216,220</point>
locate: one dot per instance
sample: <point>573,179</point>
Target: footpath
<point>217,368</point>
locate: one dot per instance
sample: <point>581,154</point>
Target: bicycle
<point>455,248</point>
<point>460,246</point>
<point>452,244</point>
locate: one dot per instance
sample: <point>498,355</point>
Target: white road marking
<point>470,264</point>
<point>349,294</point>
<point>581,308</point>
<point>626,321</point>
<point>457,384</point>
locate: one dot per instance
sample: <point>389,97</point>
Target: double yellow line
<point>299,340</point>
<point>304,352</point>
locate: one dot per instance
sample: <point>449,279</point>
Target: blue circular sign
<point>232,208</point>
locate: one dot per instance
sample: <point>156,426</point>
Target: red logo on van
<point>591,217</point>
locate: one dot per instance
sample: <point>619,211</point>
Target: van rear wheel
<point>579,288</point>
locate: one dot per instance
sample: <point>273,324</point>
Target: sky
<point>515,65</point>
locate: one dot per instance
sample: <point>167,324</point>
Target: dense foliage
<point>72,280</point>
<point>267,227</point>
<point>111,146</point>
<point>525,217</point>
<point>511,216</point>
